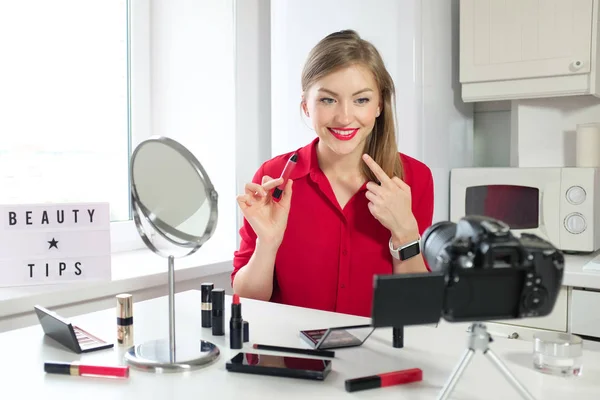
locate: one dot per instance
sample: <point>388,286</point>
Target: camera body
<point>489,273</point>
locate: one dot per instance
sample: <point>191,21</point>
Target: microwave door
<point>520,197</point>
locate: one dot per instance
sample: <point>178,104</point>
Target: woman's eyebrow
<point>331,92</point>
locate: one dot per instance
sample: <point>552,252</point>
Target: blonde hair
<point>342,49</point>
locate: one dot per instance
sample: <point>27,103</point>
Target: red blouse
<point>329,255</point>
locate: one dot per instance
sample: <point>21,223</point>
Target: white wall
<point>447,122</point>
<point>253,89</point>
<point>417,40</point>
<point>531,133</point>
<point>546,129</point>
<point>492,134</point>
<point>192,93</point>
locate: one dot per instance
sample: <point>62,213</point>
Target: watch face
<point>410,251</point>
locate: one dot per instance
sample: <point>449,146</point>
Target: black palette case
<point>337,337</point>
<point>68,335</point>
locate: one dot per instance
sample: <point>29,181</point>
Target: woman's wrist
<point>268,243</point>
<point>406,235</point>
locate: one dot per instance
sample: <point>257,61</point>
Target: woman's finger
<point>255,189</point>
<point>242,202</point>
<point>270,184</point>
<point>375,188</point>
<point>245,201</point>
<point>371,196</point>
<point>401,184</point>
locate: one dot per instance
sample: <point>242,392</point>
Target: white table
<point>435,350</point>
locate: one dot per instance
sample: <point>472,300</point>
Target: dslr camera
<point>489,273</point>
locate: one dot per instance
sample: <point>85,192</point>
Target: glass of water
<point>558,353</point>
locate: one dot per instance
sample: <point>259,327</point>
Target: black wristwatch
<point>406,251</point>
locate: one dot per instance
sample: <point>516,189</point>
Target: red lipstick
<point>236,324</point>
<point>287,170</point>
<point>343,133</point>
<point>384,380</point>
<point>78,369</point>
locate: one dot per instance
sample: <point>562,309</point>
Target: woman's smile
<point>343,133</point>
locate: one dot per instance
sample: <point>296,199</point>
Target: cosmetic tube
<point>206,294</point>
<point>398,337</point>
<point>246,331</point>
<point>236,323</point>
<point>78,369</point>
<point>125,319</point>
<point>218,312</point>
<point>287,171</point>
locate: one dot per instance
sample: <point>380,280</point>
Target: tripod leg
<point>456,374</point>
<point>508,375</point>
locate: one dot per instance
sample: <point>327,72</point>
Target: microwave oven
<point>560,205</point>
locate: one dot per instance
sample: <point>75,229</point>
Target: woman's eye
<point>363,100</point>
<point>326,100</point>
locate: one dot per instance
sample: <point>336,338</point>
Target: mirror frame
<point>161,227</point>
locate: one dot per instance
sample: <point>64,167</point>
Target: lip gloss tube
<point>125,319</point>
<point>77,369</point>
<point>287,170</point>
<point>206,295</point>
<point>218,312</point>
<point>236,323</point>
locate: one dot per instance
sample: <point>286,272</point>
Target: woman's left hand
<point>391,204</point>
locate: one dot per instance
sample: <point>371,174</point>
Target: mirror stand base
<point>155,356</point>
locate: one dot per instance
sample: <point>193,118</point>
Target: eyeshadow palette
<point>337,337</point>
<point>68,335</point>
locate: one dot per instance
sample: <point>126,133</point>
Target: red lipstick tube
<point>384,380</point>
<point>236,327</point>
<point>78,369</point>
<point>289,167</point>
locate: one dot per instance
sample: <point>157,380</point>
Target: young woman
<point>353,207</point>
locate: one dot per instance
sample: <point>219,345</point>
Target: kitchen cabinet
<point>584,318</point>
<point>519,49</point>
<point>555,321</point>
<point>575,311</point>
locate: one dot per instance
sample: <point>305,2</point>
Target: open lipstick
<point>287,170</point>
<point>78,369</point>
<point>236,328</point>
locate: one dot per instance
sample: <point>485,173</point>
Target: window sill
<point>131,271</point>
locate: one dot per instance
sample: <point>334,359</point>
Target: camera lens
<point>435,239</point>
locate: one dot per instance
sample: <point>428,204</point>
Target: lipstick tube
<point>398,337</point>
<point>206,296</point>
<point>218,312</point>
<point>77,369</point>
<point>246,331</point>
<point>236,328</point>
<point>125,319</point>
<point>287,171</point>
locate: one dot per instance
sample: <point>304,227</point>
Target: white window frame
<point>124,235</point>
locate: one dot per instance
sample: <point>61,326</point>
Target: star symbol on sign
<point>53,243</point>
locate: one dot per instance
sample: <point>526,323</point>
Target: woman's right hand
<point>267,217</point>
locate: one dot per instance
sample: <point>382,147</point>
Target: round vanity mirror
<point>175,212</point>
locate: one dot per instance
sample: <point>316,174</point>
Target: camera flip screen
<point>407,299</point>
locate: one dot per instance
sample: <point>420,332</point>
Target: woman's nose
<point>344,116</point>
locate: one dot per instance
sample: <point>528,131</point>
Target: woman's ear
<point>304,107</point>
